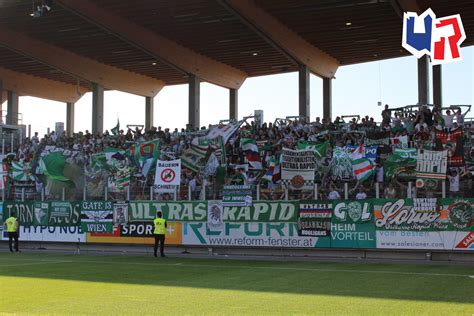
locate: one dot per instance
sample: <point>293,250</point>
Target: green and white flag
<point>52,166</point>
<point>97,217</point>
<point>116,129</point>
<point>201,145</point>
<point>145,155</point>
<point>362,167</point>
<point>21,171</point>
<point>320,150</point>
<point>193,158</point>
<point>399,165</point>
<point>341,165</point>
<point>406,153</point>
<point>116,163</point>
<point>120,173</point>
<point>224,131</point>
<point>104,159</point>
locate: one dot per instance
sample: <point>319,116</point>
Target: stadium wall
<point>373,224</point>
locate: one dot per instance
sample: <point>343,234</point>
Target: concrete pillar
<point>70,118</point>
<point>12,108</point>
<point>1,100</point>
<point>97,109</point>
<point>437,86</point>
<point>423,80</point>
<point>233,104</point>
<point>194,101</point>
<point>149,107</point>
<point>327,98</point>
<point>303,88</point>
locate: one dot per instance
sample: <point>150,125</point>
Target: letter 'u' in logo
<point>439,38</point>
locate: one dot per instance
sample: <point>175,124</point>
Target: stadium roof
<point>142,45</point>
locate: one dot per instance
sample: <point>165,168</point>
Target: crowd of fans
<point>419,124</point>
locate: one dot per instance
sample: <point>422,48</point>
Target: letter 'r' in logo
<point>439,38</point>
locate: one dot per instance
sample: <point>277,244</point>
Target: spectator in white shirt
<point>318,123</point>
<point>35,140</point>
<point>460,117</point>
<point>361,195</point>
<point>453,178</point>
<point>448,119</point>
<point>334,195</point>
<point>420,124</point>
<point>379,173</point>
<point>192,185</point>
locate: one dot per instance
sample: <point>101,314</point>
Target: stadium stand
<point>354,158</point>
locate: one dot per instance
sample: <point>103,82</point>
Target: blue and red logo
<point>439,38</point>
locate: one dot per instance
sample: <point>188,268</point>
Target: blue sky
<point>356,90</point>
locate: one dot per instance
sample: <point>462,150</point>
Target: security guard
<point>159,232</point>
<point>12,229</point>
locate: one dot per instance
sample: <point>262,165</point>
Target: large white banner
<point>167,176</point>
<point>226,131</point>
<point>44,233</point>
<point>432,240</point>
<point>431,164</point>
<point>297,166</point>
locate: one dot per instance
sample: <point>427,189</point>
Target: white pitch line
<point>191,265</point>
<point>33,263</point>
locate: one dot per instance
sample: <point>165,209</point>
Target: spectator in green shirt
<point>240,178</point>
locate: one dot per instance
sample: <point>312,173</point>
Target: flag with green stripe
<point>21,171</point>
<point>363,169</point>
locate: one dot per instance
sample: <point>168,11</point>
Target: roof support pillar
<point>1,98</point>
<point>149,107</point>
<point>303,89</point>
<point>423,80</point>
<point>437,86</point>
<point>70,118</point>
<point>12,108</point>
<point>97,109</point>
<point>327,98</point>
<point>194,101</point>
<point>233,104</point>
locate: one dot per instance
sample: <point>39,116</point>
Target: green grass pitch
<point>105,285</point>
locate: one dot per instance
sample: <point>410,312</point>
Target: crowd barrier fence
<point>407,224</point>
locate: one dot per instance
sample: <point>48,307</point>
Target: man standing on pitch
<point>12,229</point>
<point>159,232</point>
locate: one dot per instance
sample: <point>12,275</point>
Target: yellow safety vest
<point>160,228</point>
<point>11,224</point>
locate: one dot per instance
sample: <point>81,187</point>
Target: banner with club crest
<point>446,224</point>
<point>297,167</point>
<point>97,216</point>
<point>215,214</point>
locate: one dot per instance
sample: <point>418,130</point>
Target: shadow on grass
<point>388,281</point>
